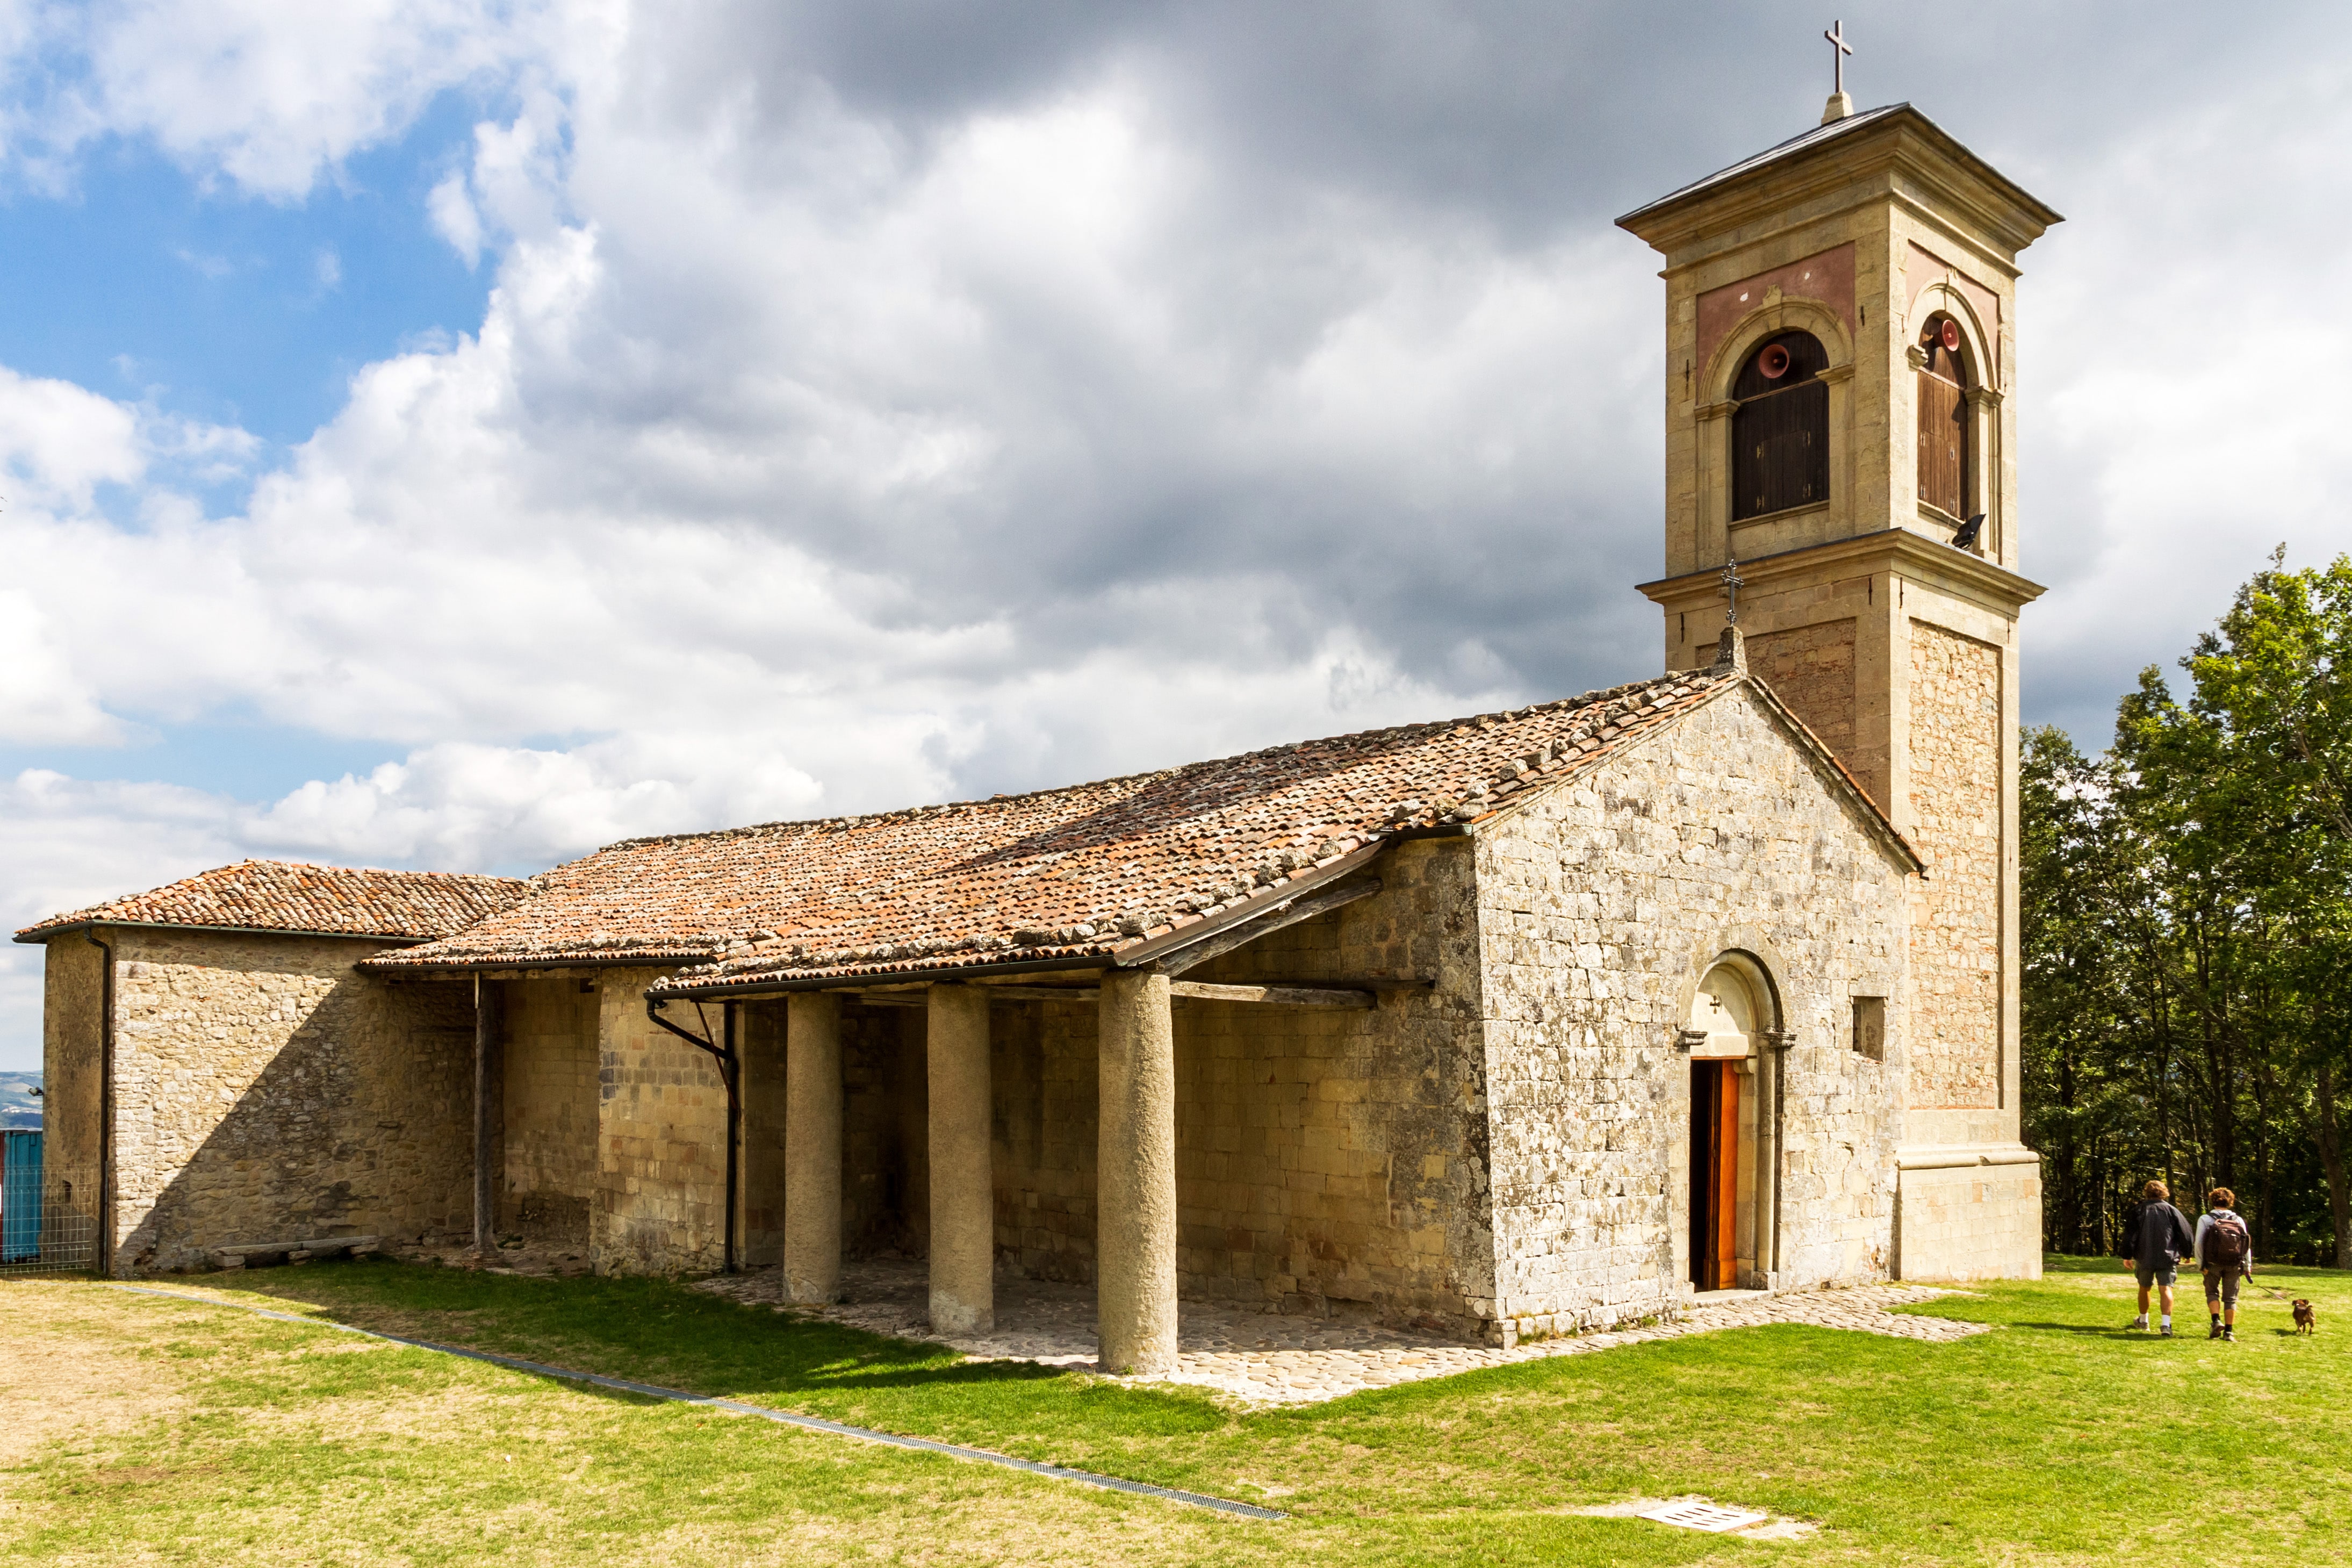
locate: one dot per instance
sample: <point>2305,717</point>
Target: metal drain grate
<point>1703,1515</point>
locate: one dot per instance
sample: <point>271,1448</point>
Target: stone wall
<point>1046,1086</point>
<point>1332,1161</point>
<point>71,1091</point>
<point>661,1141</point>
<point>760,1037</point>
<point>1954,800</point>
<point>886,1178</point>
<point>265,1091</point>
<point>548,1050</point>
<point>1971,1221</point>
<point>1601,904</point>
<point>1811,669</point>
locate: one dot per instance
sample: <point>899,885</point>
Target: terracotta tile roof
<point>1058,874</point>
<point>293,896</point>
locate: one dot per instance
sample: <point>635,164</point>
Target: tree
<point>2274,681</point>
<point>2186,929</point>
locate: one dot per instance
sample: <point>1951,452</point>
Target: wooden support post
<point>963,1188</point>
<point>812,1148</point>
<point>1135,1176</point>
<point>1273,995</point>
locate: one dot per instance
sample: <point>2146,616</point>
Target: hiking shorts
<point>2152,1275</point>
<point>2224,1285</point>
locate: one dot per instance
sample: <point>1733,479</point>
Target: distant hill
<point>20,1105</point>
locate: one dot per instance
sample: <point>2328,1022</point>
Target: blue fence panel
<point>20,1198</point>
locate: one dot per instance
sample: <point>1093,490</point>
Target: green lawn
<point>149,1431</point>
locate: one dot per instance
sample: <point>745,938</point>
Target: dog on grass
<point>2307,1321</point>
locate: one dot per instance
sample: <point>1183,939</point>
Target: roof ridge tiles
<point>308,896</point>
<point>1075,870</point>
<point>909,812</point>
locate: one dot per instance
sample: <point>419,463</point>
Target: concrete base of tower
<point>1971,1213</point>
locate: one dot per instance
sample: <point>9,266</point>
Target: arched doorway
<point>1729,1014</point>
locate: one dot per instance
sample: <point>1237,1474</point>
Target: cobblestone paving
<point>1266,1358</point>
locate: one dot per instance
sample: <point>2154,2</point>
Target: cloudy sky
<point>455,435</point>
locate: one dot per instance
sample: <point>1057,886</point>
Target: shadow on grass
<point>965,1375</point>
<point>661,1333</point>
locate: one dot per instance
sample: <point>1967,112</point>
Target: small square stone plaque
<point>1703,1515</point>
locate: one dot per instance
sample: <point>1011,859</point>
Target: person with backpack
<point>2225,1252</point>
<point>2155,1238</point>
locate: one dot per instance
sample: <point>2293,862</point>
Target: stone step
<point>242,1254</point>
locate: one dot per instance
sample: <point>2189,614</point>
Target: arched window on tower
<point>1781,433</point>
<point>1943,417</point>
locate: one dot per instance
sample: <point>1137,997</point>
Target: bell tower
<point>1840,347</point>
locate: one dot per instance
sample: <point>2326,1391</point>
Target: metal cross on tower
<point>1835,34</point>
<point>1732,583</point>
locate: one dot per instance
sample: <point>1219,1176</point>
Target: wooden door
<point>1715,1174</point>
<point>1725,1167</point>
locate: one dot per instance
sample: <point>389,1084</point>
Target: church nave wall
<point>266,1091</point>
<point>548,1050</point>
<point>661,1142</point>
<point>1602,904</point>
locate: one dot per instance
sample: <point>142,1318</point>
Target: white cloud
<point>267,97</point>
<point>59,442</point>
<point>43,702</point>
<point>65,844</point>
<point>2181,410</point>
<point>453,217</point>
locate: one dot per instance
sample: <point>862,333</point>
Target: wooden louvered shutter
<point>1944,432</point>
<point>1781,431</point>
<point>1780,451</point>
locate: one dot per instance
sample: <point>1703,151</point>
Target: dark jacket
<point>2157,1235</point>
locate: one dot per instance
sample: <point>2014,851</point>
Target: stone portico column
<point>1135,1177</point>
<point>812,1147</point>
<point>963,1189</point>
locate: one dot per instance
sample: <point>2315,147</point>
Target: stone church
<point>1515,1024</point>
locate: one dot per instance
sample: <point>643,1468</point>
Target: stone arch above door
<point>1731,1009</point>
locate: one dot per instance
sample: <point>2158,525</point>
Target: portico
<point>982,1184</point>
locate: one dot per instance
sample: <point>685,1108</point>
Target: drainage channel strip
<point>737,1407</point>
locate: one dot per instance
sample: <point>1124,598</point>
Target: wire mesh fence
<point>49,1215</point>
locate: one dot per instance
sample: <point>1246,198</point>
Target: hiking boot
<point>2230,1335</point>
<point>2214,1333</point>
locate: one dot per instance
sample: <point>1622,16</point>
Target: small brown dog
<point>2307,1321</point>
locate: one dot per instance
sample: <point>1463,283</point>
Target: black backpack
<point>2227,1243</point>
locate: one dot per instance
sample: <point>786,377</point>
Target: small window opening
<point>1869,1028</point>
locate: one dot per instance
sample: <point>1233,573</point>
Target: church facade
<point>1517,1024</point>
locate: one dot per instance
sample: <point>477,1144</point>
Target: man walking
<point>2225,1253</point>
<point>2155,1238</point>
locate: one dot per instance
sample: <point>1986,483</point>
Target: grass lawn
<point>139,1430</point>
